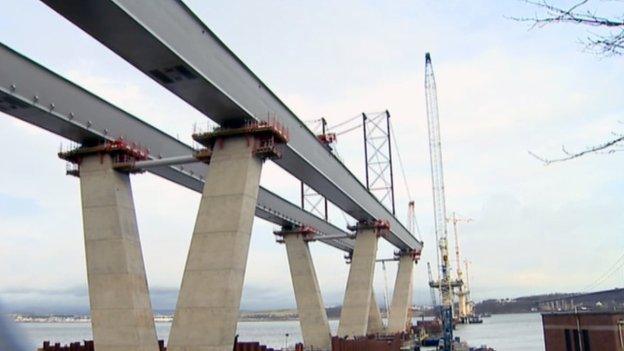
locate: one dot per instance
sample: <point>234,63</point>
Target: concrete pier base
<point>356,305</point>
<point>402,295</point>
<point>121,312</point>
<point>312,314</point>
<point>375,323</point>
<point>209,300</point>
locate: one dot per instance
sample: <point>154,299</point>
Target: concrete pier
<point>121,312</point>
<point>462,305</point>
<point>208,304</point>
<point>312,314</point>
<point>375,323</point>
<point>356,305</point>
<point>402,295</point>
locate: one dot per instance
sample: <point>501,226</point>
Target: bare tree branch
<point>608,44</point>
<point>607,147</point>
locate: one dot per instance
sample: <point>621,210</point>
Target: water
<point>512,332</point>
<point>506,332</point>
<point>271,333</point>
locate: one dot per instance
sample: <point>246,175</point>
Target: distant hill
<point>604,300</point>
<point>518,305</point>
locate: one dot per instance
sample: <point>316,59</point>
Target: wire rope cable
<point>403,173</point>
<point>615,267</point>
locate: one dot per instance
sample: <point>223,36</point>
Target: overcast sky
<point>503,90</point>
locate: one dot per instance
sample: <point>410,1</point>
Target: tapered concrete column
<point>375,323</point>
<point>312,314</point>
<point>462,308</point>
<point>121,312</point>
<point>209,300</point>
<point>356,305</point>
<point>402,295</point>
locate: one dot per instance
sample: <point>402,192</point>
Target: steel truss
<point>378,157</point>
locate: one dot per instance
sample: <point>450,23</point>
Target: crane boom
<point>439,202</point>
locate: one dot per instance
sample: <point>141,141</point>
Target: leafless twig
<point>607,147</point>
<point>609,44</point>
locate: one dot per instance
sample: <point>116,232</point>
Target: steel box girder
<point>166,41</point>
<point>40,97</point>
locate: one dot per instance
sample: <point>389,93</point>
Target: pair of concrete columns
<point>360,312</point>
<point>360,315</point>
<point>209,300</point>
<point>121,311</point>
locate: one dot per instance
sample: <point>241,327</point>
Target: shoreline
<point>161,320</point>
<point>78,319</point>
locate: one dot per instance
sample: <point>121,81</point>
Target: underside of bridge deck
<point>42,98</point>
<point>170,44</point>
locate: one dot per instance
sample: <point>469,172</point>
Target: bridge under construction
<point>168,43</point>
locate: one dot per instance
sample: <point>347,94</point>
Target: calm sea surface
<point>503,332</point>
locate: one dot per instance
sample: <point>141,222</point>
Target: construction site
<point>224,164</point>
<point>353,192</point>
